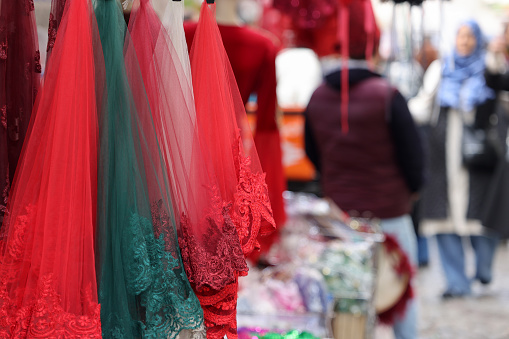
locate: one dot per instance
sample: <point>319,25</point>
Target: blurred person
<point>420,106</point>
<point>496,214</point>
<point>376,168</point>
<point>497,75</point>
<point>452,201</point>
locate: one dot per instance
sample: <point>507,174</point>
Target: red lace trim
<point>214,275</point>
<point>42,316</point>
<point>16,247</point>
<point>220,311</point>
<point>3,208</point>
<point>45,318</point>
<point>218,265</point>
<point>37,59</point>
<point>3,51</point>
<point>7,187</point>
<point>52,32</point>
<point>3,118</point>
<point>252,212</point>
<point>29,6</point>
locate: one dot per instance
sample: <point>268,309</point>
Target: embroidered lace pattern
<point>220,311</point>
<point>37,59</point>
<point>213,272</point>
<point>3,117</point>
<point>214,275</point>
<point>251,205</point>
<point>42,316</point>
<point>218,265</point>
<point>5,194</point>
<point>4,198</point>
<point>29,6</point>
<point>151,275</point>
<point>3,51</point>
<point>52,32</point>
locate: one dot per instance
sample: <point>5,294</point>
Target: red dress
<point>252,56</point>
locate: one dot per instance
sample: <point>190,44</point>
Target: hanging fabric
<point>252,56</point>
<point>143,288</point>
<point>20,70</point>
<point>173,21</point>
<point>225,139</point>
<point>47,267</point>
<point>210,245</point>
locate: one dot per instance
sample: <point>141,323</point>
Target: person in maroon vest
<point>376,169</point>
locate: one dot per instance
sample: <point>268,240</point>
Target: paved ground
<point>485,315</point>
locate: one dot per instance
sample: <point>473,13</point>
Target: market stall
<point>321,280</point>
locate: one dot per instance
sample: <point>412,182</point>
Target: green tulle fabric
<point>143,289</point>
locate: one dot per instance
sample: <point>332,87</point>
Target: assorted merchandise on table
<point>321,276</point>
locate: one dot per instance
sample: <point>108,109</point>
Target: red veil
<point>217,184</point>
<point>20,70</point>
<point>225,134</point>
<point>225,138</point>
<point>47,267</point>
<point>208,238</point>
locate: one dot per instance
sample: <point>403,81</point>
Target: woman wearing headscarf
<point>452,202</point>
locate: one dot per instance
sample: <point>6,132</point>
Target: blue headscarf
<point>463,85</point>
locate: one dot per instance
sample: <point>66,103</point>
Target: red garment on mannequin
<point>252,56</point>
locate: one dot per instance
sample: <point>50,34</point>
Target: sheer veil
<point>143,287</point>
<point>47,267</point>
<point>208,238</point>
<point>225,139</point>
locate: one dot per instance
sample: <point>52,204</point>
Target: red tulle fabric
<point>20,70</point>
<point>210,245</point>
<point>209,241</point>
<point>253,59</point>
<point>225,139</point>
<point>47,267</point>
<point>225,134</point>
